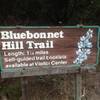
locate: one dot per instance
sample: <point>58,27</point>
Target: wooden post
<point>24,85</point>
<point>78,86</point>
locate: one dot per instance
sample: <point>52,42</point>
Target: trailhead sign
<point>28,51</point>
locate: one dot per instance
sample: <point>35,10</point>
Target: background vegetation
<point>49,12</point>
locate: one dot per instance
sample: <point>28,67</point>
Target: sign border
<point>74,66</point>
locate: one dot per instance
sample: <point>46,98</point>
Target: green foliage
<point>49,12</point>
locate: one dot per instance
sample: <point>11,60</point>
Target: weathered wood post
<point>78,86</point>
<point>24,86</point>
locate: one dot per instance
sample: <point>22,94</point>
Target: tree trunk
<point>3,97</point>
